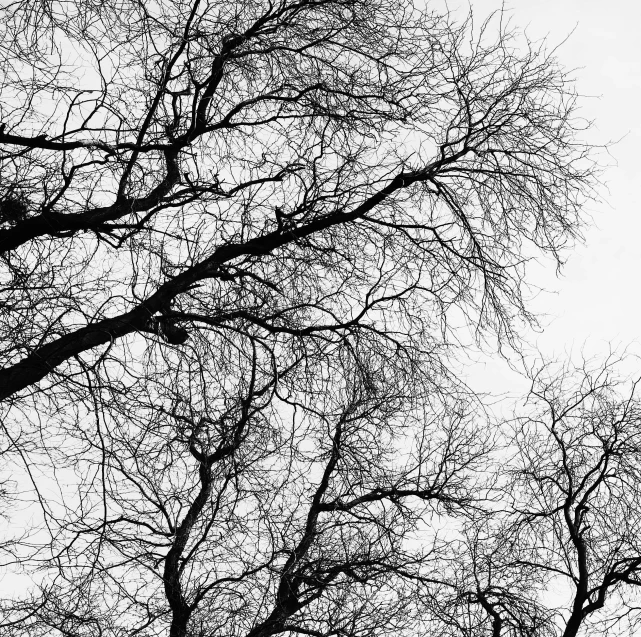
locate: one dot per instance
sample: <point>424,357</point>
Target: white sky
<point>596,301</point>
<point>598,296</point>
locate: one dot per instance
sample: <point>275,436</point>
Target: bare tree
<point>233,239</point>
<point>576,491</point>
<point>556,551</point>
<point>488,590</point>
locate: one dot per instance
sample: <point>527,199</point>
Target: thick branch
<point>46,358</point>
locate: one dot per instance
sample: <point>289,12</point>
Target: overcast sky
<point>596,300</point>
<point>598,293</point>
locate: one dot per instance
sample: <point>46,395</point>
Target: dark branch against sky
<point>242,246</point>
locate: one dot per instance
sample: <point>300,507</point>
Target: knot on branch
<point>167,329</point>
<point>13,208</point>
<point>174,334</point>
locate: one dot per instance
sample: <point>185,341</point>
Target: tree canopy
<point>237,243</point>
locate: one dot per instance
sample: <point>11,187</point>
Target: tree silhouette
<point>234,240</point>
<point>576,484</point>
